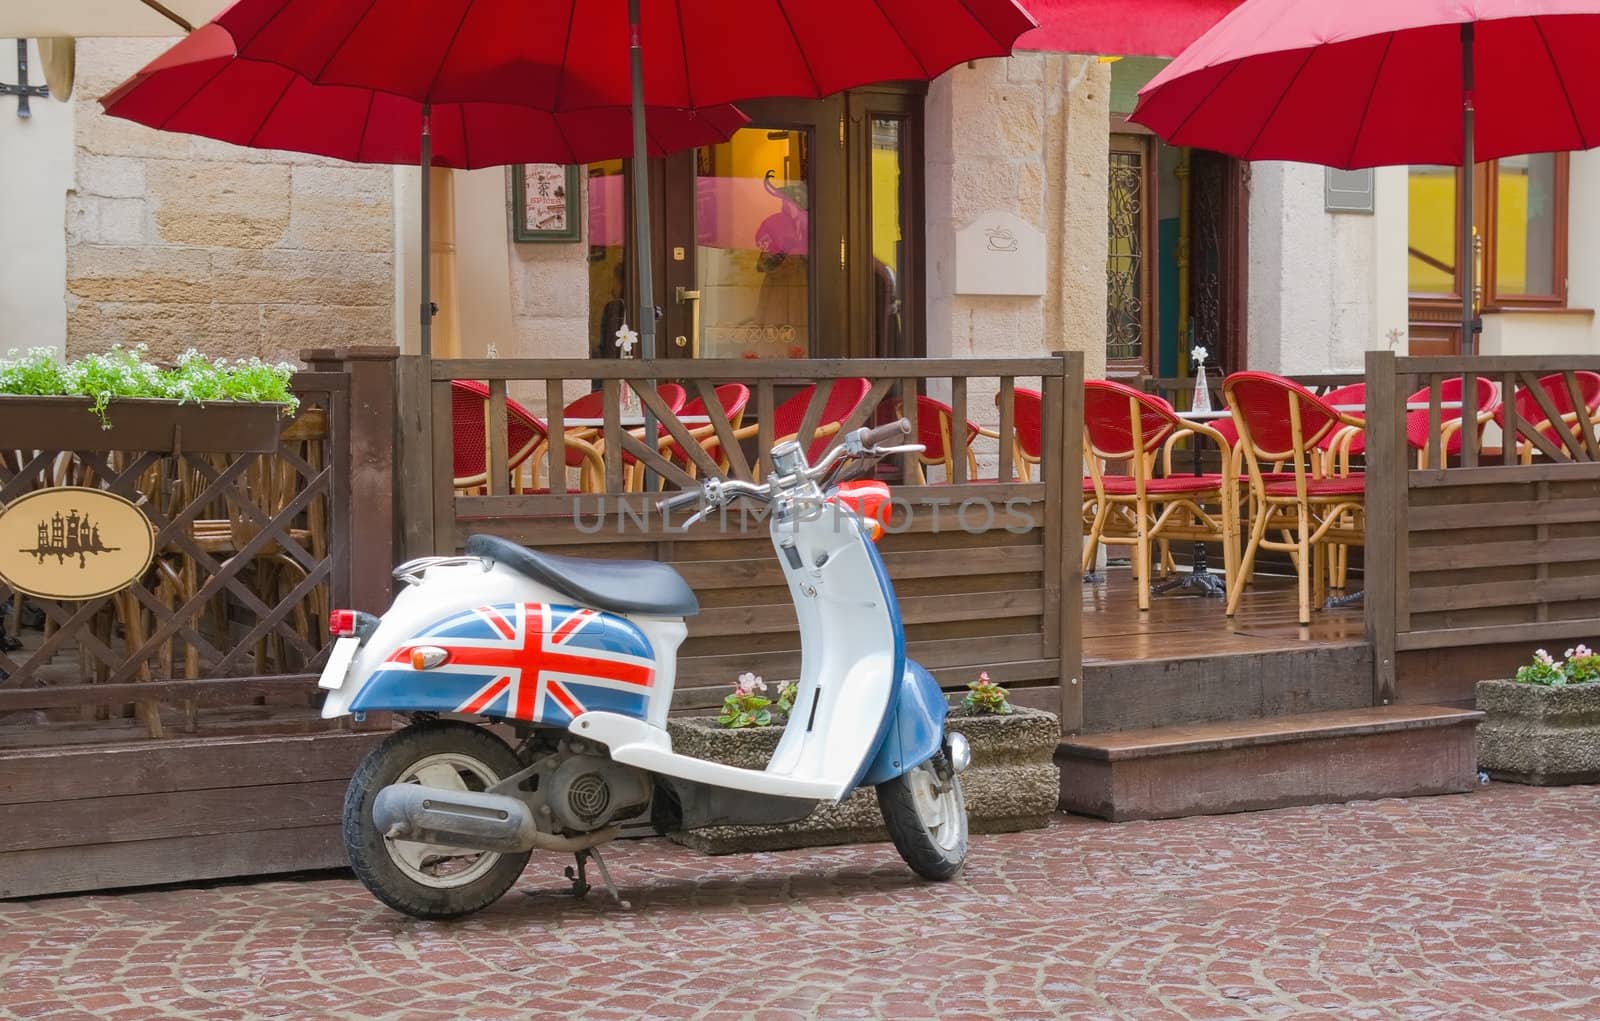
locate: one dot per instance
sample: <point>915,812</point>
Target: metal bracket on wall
<point>22,90</point>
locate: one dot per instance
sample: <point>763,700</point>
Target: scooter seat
<point>621,586</point>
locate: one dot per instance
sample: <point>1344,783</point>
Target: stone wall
<point>178,242</point>
<point>1026,134</point>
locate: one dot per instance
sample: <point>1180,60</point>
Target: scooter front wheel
<point>426,880</point>
<point>926,815</point>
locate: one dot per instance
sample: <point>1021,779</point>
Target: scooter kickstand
<point>605,877</point>
<point>580,876</point>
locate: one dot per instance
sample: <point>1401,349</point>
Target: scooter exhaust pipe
<point>469,820</point>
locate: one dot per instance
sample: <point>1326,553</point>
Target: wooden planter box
<point>138,423</point>
<point>1013,783</point>
<point>1540,735</point>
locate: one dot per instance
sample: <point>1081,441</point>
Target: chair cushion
<point>1123,485</point>
<point>1353,485</point>
<point>621,586</point>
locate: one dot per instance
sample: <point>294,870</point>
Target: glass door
<point>751,229</point>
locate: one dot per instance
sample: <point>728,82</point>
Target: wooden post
<point>1385,514</point>
<point>371,446</point>
<point>1063,581</point>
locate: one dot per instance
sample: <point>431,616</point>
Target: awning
<point>1124,28</point>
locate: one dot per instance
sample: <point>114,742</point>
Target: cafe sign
<point>70,542</point>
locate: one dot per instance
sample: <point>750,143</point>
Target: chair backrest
<point>1027,419</point>
<point>733,397</point>
<point>1112,410</point>
<point>1555,388</point>
<point>934,418</point>
<point>673,395</point>
<point>845,397</point>
<point>469,417</point>
<point>1450,391</point>
<point>1350,393</point>
<point>1261,404</point>
<point>590,405</point>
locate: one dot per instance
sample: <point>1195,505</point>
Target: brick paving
<point>1477,906</point>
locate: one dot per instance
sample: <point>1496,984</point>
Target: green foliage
<point>123,372</point>
<point>745,708</point>
<point>1581,666</point>
<point>986,697</point>
<point>788,691</point>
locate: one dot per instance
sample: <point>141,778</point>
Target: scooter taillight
<point>351,624</point>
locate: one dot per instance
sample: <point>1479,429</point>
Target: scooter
<point>576,658</point>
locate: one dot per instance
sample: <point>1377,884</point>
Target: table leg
<point>1199,577</point>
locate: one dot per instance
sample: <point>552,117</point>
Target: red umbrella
<point>201,87</point>
<point>573,55</point>
<point>1366,83</point>
<point>1128,28</point>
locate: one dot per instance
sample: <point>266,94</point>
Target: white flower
<point>1198,353</point>
<point>1544,657</point>
<point>626,338</point>
<point>749,683</point>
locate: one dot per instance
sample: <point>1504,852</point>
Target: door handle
<point>692,299</point>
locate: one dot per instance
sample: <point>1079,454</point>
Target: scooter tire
<point>935,856</point>
<point>371,859</point>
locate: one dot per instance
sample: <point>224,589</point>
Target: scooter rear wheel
<point>423,880</point>
<point>926,816</point>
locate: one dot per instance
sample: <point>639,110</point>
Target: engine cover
<point>586,792</point>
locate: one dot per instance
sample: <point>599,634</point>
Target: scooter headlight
<point>958,752</point>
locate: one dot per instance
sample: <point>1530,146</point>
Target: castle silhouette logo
<point>71,542</point>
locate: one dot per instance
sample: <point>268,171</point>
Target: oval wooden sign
<point>70,542</point>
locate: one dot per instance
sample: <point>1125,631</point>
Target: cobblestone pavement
<point>1479,906</point>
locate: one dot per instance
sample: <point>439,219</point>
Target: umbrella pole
<point>427,236</point>
<point>646,300</point>
<point>1468,166</point>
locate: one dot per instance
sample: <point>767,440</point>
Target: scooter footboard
<point>915,730</point>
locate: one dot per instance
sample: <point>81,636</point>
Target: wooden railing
<point>1492,550</point>
<point>985,563</point>
<point>252,515</point>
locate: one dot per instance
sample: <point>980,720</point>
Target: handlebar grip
<point>687,498</point>
<point>886,433</point>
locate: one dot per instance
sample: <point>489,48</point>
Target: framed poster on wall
<point>544,202</point>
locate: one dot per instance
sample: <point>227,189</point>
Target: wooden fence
<point>132,725</point>
<point>1497,550</point>
<point>985,565</point>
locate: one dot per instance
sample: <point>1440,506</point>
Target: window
<point>1521,215</point>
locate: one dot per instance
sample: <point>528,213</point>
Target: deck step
<point>1247,765</point>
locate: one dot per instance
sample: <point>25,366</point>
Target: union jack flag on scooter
<point>535,662</point>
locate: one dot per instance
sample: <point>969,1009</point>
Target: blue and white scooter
<point>577,659</point>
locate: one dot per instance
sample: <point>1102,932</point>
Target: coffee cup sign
<point>71,542</point>
<point>1000,253</point>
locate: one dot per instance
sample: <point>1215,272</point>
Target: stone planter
<point>1540,735</point>
<point>1013,783</point>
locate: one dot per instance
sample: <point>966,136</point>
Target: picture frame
<point>544,203</point>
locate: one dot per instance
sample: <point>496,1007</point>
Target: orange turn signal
<point>426,657</point>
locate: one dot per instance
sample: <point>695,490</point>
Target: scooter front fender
<point>915,728</point>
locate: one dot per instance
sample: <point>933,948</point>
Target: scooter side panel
<point>916,727</point>
<point>533,661</point>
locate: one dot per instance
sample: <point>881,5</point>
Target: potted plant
<point>1012,784</point>
<point>1543,726</point>
<point>117,400</point>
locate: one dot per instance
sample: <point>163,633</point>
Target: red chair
<point>733,397</point>
<point>1027,425</point>
<point>1572,419</point>
<point>527,437</point>
<point>1354,441</point>
<point>1128,426</point>
<point>846,396</point>
<point>1281,421</point>
<point>935,424</point>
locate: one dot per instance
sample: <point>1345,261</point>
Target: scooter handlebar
<point>886,433</point>
<point>678,501</point>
